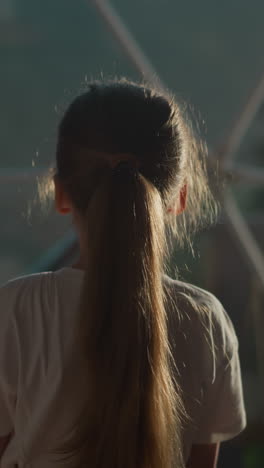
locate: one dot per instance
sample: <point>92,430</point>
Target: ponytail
<point>131,418</point>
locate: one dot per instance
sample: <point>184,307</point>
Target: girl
<point>110,363</point>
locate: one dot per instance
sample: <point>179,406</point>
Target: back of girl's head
<point>132,413</point>
<point>118,117</point>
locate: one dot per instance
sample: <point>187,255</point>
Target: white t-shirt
<point>37,315</point>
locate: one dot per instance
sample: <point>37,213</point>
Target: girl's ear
<point>63,204</point>
<point>181,205</point>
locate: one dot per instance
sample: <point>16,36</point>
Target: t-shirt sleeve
<point>8,364</point>
<point>223,413</point>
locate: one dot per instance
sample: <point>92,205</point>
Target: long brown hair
<point>132,414</point>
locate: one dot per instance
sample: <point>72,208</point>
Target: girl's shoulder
<point>31,282</point>
<point>201,317</point>
<point>18,285</point>
<point>20,294</point>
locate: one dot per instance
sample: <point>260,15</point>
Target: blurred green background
<point>211,55</point>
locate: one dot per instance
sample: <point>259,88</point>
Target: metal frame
<point>125,39</point>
